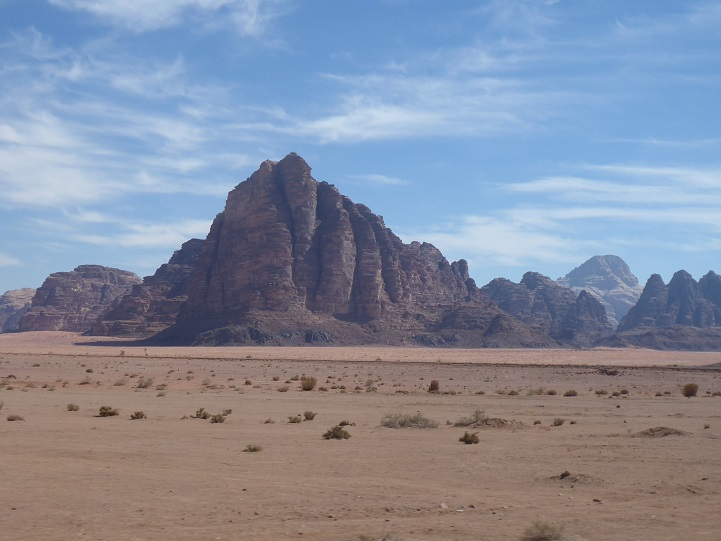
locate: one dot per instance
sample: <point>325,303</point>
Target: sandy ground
<point>74,475</point>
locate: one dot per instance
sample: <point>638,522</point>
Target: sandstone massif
<point>610,280</point>
<point>291,260</point>
<point>153,305</point>
<point>685,315</point>
<point>73,301</point>
<point>14,304</point>
<point>577,319</point>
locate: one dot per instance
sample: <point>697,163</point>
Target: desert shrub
<point>602,392</point>
<point>434,387</point>
<point>268,421</point>
<point>295,378</point>
<point>107,411</point>
<point>336,433</point>
<point>309,415</point>
<point>138,415</point>
<point>86,381</point>
<point>294,419</point>
<point>536,422</point>
<point>307,383</point>
<point>346,423</point>
<point>144,383</point>
<point>406,420</point>
<point>542,531</point>
<point>570,392</point>
<point>227,412</point>
<point>469,438</point>
<point>72,407</point>
<point>217,418</point>
<point>248,382</point>
<point>1,404</point>
<point>478,416</point>
<point>283,389</point>
<point>690,389</point>
<point>551,392</point>
<point>716,393</point>
<point>513,393</point>
<point>89,370</point>
<point>252,448</point>
<point>540,391</point>
<point>624,391</point>
<point>202,414</point>
<point>15,417</point>
<point>615,394</point>
<point>559,421</point>
<point>276,378</point>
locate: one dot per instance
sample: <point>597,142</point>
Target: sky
<point>516,134</point>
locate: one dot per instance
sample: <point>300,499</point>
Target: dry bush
<point>283,389</point>
<point>551,392</point>
<point>346,423</point>
<point>107,411</point>
<point>294,419</point>
<point>542,531</point>
<point>336,433</point>
<point>202,414</point>
<point>248,382</point>
<point>227,412</point>
<point>309,415</point>
<point>434,387</point>
<point>15,417</point>
<point>558,422</point>
<point>72,407</point>
<point>407,420</point>
<point>138,415</point>
<point>570,392</point>
<point>307,383</point>
<point>217,418</point>
<point>268,421</point>
<point>690,389</point>
<point>1,404</point>
<point>469,438</point>
<point>478,416</point>
<point>144,383</point>
<point>252,448</point>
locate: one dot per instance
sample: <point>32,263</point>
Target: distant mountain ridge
<point>609,279</point>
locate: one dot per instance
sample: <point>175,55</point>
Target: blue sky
<point>517,134</point>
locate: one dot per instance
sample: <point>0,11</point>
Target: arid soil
<point>601,474</point>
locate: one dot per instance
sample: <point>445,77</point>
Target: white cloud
<point>149,235</point>
<point>8,261</point>
<point>248,17</point>
<point>376,180</point>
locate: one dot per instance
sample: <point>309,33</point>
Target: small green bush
<point>469,438</point>
<point>107,411</point>
<point>336,433</point>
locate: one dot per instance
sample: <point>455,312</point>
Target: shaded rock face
<point>73,301</point>
<point>682,302</point>
<point>291,261</point>
<point>609,279</point>
<point>14,304</point>
<point>153,305</point>
<point>539,301</point>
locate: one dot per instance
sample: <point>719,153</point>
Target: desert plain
<point>592,464</point>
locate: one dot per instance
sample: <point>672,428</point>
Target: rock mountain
<point>608,278</point>
<point>154,305</point>
<point>14,305</point>
<point>291,260</point>
<point>578,319</point>
<point>73,301</point>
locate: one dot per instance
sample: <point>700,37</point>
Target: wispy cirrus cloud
<point>248,17</point>
<point>149,235</point>
<point>376,180</point>
<point>9,261</point>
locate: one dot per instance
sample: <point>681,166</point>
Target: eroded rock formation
<point>153,305</point>
<point>73,301</point>
<point>14,305</point>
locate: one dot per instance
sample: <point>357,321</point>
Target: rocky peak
<point>539,301</point>
<point>290,253</point>
<point>154,305</point>
<point>14,304</point>
<point>73,301</point>
<point>609,279</point>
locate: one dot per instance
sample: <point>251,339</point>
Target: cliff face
<point>154,305</point>
<point>609,279</point>
<point>14,305</point>
<point>292,260</point>
<point>539,301</point>
<point>73,301</point>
